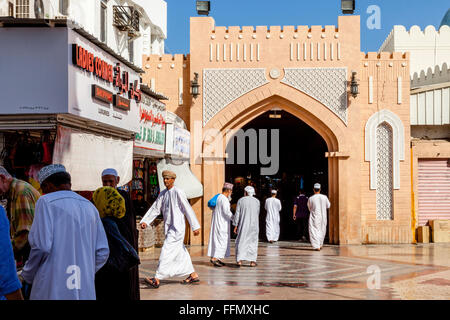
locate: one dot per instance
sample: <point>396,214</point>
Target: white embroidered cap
<point>50,170</point>
<point>317,186</point>
<point>110,172</point>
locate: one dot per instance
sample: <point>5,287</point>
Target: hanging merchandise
<point>47,148</point>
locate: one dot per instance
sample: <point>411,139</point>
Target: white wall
<point>87,14</point>
<point>44,54</point>
<point>429,48</point>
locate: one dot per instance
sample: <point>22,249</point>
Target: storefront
<point>67,98</point>
<point>178,142</point>
<point>149,145</point>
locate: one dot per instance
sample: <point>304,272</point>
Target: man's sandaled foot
<point>253,264</point>
<point>190,280</point>
<point>222,263</point>
<point>216,263</point>
<point>152,282</point>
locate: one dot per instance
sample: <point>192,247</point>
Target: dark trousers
<point>302,227</point>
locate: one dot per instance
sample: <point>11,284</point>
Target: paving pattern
<point>294,271</point>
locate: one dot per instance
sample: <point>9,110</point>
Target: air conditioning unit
<point>39,9</point>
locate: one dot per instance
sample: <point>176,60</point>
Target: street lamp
<point>203,7</point>
<point>195,86</point>
<point>354,86</point>
<point>348,6</point>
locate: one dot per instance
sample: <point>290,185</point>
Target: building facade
<point>130,28</point>
<point>304,71</point>
<point>430,117</point>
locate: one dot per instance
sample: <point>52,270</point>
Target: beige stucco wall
<point>352,216</point>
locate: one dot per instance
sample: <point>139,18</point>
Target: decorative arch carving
<point>398,133</point>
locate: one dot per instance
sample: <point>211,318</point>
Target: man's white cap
<point>274,191</point>
<point>317,186</point>
<point>50,170</point>
<point>110,172</point>
<point>250,190</point>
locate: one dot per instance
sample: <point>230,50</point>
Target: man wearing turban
<point>174,260</point>
<point>246,222</point>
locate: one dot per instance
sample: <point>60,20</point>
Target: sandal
<point>190,280</point>
<point>222,263</point>
<point>253,264</point>
<point>152,282</point>
<point>216,263</point>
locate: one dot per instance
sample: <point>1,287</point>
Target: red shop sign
<point>86,60</point>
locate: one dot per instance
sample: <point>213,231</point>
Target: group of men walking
<point>246,223</point>
<point>73,243</point>
<point>69,249</point>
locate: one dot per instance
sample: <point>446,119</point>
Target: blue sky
<point>302,12</point>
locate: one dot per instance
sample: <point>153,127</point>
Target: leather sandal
<point>216,263</point>
<point>152,282</point>
<point>190,280</point>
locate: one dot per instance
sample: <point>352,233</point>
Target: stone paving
<point>292,270</point>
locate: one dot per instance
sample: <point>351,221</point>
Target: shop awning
<point>85,155</point>
<point>147,153</point>
<point>186,180</point>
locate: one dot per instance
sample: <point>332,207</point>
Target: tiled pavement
<point>292,270</point>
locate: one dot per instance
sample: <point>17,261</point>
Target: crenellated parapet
<point>438,75</point>
<point>169,74</point>
<point>428,47</point>
<point>384,77</point>
<point>414,35</point>
<point>385,65</point>
<point>262,44</point>
<point>163,60</point>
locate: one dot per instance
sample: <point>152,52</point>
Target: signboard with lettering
<point>81,78</point>
<point>181,142</point>
<point>152,133</point>
<point>101,94</point>
<point>114,95</point>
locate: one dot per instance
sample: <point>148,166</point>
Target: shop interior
<point>144,186</point>
<point>302,163</point>
<point>25,152</point>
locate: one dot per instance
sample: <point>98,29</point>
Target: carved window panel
<point>385,176</point>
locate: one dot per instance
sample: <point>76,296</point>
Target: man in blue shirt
<point>9,282</point>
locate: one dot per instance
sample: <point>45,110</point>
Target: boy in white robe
<point>174,260</point>
<point>273,208</point>
<point>246,222</point>
<point>67,239</point>
<point>318,205</point>
<point>219,237</point>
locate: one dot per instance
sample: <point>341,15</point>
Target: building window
<point>131,50</point>
<point>10,9</point>
<point>64,7</point>
<point>22,8</point>
<point>103,19</point>
<point>385,181</point>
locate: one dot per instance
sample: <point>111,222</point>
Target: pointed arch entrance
<point>278,151</point>
<point>312,113</point>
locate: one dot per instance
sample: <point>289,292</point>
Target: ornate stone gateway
<point>306,71</point>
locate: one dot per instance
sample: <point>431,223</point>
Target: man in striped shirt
<point>21,198</point>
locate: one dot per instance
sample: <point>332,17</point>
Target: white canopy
<point>86,155</point>
<point>186,180</point>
